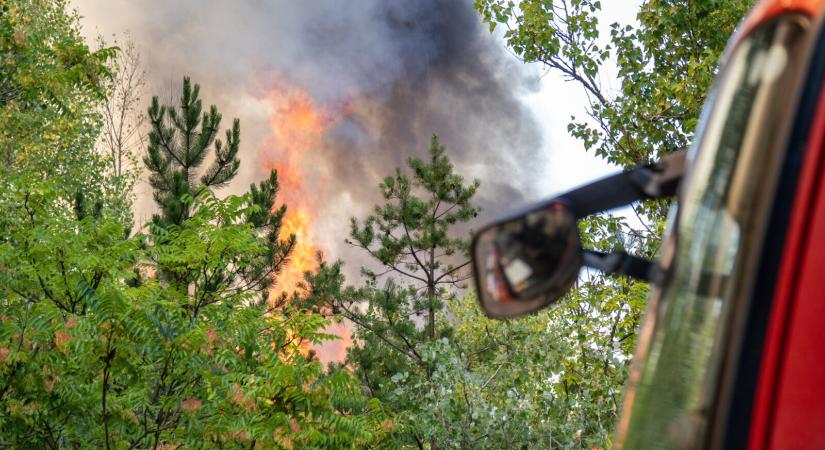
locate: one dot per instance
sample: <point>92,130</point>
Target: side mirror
<point>529,261</point>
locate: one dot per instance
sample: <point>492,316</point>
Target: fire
<point>302,258</point>
<point>298,127</point>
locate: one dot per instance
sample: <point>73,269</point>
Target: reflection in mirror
<point>527,262</point>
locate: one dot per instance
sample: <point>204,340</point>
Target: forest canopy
<point>176,333</point>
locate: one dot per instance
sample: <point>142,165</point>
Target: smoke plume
<point>385,76</point>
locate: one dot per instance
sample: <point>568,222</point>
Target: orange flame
<point>298,127</point>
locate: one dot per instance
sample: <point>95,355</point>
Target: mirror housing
<point>531,260</point>
<point>528,261</point>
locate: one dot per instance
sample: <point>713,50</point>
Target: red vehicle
<point>731,354</point>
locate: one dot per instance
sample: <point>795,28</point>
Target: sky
<point>336,95</point>
<point>568,165</point>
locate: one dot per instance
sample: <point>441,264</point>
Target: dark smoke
<point>438,71</point>
<point>408,68</point>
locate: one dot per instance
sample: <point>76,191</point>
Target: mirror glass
<point>527,262</point>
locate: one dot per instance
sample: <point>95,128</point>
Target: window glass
<point>717,236</point>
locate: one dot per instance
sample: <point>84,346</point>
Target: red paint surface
<point>766,10</point>
<point>789,408</point>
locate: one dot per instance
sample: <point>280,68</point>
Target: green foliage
<point>161,339</point>
<point>665,66</point>
<point>50,83</point>
<point>96,354</point>
<point>544,381</point>
<point>462,380</point>
<point>401,324</point>
<point>179,142</point>
<point>265,218</point>
<point>409,234</point>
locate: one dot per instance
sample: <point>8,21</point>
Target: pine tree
<point>410,234</point>
<point>179,142</point>
<point>424,261</point>
<point>266,220</point>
